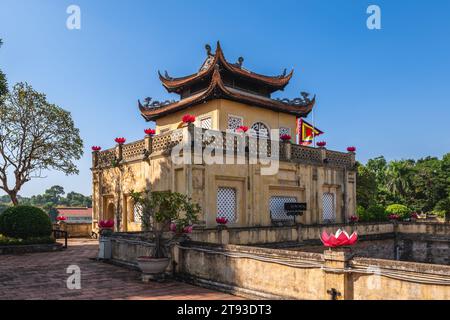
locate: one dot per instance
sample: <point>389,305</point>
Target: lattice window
<point>285,131</point>
<point>206,123</point>
<point>137,213</point>
<point>259,130</point>
<point>226,203</point>
<point>234,122</point>
<point>329,207</point>
<point>276,206</point>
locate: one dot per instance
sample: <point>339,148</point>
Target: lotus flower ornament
<point>341,238</point>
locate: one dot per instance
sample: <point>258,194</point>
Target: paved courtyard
<point>43,276</point>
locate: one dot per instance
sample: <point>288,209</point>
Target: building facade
<point>224,97</point>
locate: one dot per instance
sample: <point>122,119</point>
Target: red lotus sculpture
<point>321,144</point>
<point>285,137</point>
<point>106,224</point>
<point>221,220</point>
<point>351,149</point>
<point>242,129</point>
<point>340,239</point>
<point>61,218</point>
<point>150,132</point>
<point>120,140</point>
<point>96,148</point>
<point>188,118</point>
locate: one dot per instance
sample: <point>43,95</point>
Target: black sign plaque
<point>295,206</point>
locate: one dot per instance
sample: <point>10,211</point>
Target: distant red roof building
<point>76,215</point>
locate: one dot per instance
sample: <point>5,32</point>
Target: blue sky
<point>384,91</point>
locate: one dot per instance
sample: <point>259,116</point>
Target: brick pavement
<point>43,276</point>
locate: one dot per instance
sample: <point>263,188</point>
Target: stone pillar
<point>323,153</point>
<point>119,152</point>
<point>338,279</point>
<point>352,158</point>
<point>287,151</point>
<point>94,159</point>
<point>148,143</point>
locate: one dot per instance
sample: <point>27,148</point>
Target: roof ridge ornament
<point>208,50</point>
<point>148,104</point>
<point>240,62</point>
<point>166,75</point>
<point>303,101</point>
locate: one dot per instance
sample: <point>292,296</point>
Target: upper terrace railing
<point>235,143</point>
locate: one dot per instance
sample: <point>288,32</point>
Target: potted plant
<point>167,217</point>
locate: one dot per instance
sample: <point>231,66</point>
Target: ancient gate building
<point>224,96</point>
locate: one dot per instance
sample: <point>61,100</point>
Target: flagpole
<point>314,127</point>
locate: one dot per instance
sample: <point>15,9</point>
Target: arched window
<point>260,130</point>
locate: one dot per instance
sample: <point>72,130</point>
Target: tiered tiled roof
<point>219,79</point>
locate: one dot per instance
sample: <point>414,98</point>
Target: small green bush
<point>372,213</point>
<point>25,222</point>
<point>6,241</point>
<point>439,213</point>
<point>443,205</point>
<point>398,209</point>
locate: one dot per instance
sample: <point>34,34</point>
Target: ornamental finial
<point>208,49</point>
<point>240,61</point>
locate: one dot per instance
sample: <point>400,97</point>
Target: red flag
<point>306,132</point>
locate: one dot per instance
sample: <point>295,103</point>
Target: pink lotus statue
<point>341,238</point>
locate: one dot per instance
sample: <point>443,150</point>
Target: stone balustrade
<point>219,140</point>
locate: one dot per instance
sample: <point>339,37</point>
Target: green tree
<point>398,178</point>
<point>366,187</point>
<point>54,194</point>
<point>429,184</point>
<point>35,136</point>
<point>3,82</point>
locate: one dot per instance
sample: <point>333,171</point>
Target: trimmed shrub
<point>372,213</point>
<point>25,222</point>
<point>5,241</point>
<point>398,209</point>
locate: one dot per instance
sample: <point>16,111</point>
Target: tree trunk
<point>13,196</point>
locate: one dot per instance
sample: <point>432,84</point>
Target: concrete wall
<point>77,230</point>
<point>274,273</point>
<point>274,234</point>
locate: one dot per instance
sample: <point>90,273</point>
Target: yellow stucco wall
<point>219,110</point>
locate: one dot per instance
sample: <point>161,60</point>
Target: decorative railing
<point>338,159</point>
<point>106,158</point>
<point>227,141</point>
<point>134,150</point>
<point>166,141</point>
<point>305,154</point>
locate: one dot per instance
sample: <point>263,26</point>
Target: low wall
<point>275,273</point>
<point>77,230</point>
<point>217,259</point>
<point>274,234</point>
